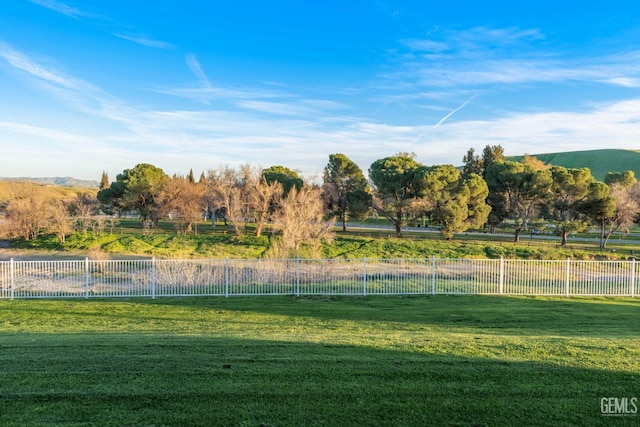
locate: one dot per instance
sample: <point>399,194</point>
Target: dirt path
<point>38,255</point>
<point>35,255</point>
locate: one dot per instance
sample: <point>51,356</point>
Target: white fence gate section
<point>228,277</point>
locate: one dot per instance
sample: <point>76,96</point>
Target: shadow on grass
<point>588,317</point>
<point>536,316</point>
<point>135,380</point>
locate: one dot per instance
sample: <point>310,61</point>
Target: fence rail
<point>227,277</point>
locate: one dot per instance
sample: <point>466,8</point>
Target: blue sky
<point>89,86</point>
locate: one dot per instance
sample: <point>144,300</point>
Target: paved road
<point>631,239</point>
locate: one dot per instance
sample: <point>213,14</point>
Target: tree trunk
<point>516,235</point>
<point>398,223</point>
<point>344,212</point>
<point>564,237</point>
<point>398,226</point>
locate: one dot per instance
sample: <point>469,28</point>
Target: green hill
<point>599,161</point>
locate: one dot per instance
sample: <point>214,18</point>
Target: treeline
<point>487,192</point>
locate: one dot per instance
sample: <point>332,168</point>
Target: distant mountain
<point>65,181</point>
<point>600,162</point>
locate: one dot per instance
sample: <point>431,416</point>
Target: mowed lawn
<point>340,361</point>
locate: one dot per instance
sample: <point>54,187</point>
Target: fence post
<point>298,276</point>
<point>86,277</point>
<point>433,275</point>
<point>153,277</point>
<point>501,279</point>
<point>633,277</point>
<point>364,276</point>
<point>568,278</point>
<point>13,278</point>
<point>226,277</point>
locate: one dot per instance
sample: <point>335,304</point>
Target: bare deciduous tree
<point>84,208</point>
<point>299,219</point>
<point>30,213</point>
<point>58,219</point>
<point>26,213</point>
<point>259,195</point>
<point>185,199</point>
<point>626,211</point>
<point>225,191</point>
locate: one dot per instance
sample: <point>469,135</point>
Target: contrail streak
<point>442,120</point>
<point>455,110</point>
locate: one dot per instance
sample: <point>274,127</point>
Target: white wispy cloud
<point>612,125</point>
<point>196,69</point>
<point>145,41</point>
<point>22,62</point>
<point>103,23</point>
<point>41,132</point>
<point>282,124</point>
<point>278,108</point>
<point>65,9</point>
<point>76,93</point>
<point>485,56</point>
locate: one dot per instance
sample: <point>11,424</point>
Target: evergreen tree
<point>347,190</point>
<point>398,181</point>
<point>471,164</point>
<point>104,181</point>
<point>490,155</point>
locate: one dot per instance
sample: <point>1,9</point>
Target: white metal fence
<point>227,277</point>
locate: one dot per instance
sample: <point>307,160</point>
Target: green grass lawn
<point>285,361</point>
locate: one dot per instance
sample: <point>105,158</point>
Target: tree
<point>346,188</point>
<point>185,199</point>
<point>104,180</point>
<point>26,212</point>
<point>534,163</point>
<point>456,203</point>
<point>83,209</point>
<point>225,192</point>
<point>491,154</point>
<point>58,220</point>
<point>516,189</point>
<point>262,196</point>
<point>599,206</point>
<point>111,198</point>
<point>285,176</point>
<point>570,188</point>
<point>299,219</point>
<point>135,189</point>
<point>626,178</point>
<point>471,164</point>
<point>31,213</point>
<point>143,185</point>
<point>625,212</point>
<point>398,180</point>
<point>476,192</point>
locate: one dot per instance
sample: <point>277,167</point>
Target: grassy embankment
<point>285,361</point>
<point>129,239</point>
